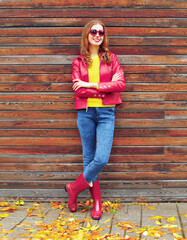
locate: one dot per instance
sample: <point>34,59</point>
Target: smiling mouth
<point>97,39</point>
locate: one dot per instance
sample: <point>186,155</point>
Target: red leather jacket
<point>108,90</point>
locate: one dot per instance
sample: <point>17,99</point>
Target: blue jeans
<point>96,127</point>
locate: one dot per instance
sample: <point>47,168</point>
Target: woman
<point>97,80</point>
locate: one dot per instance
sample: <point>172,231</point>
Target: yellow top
<point>94,77</point>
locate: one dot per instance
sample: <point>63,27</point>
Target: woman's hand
<point>116,77</point>
<point>77,83</point>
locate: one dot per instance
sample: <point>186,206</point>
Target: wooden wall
<point>40,148</point>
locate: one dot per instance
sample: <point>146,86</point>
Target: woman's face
<point>96,39</point>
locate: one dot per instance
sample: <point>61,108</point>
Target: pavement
<point>54,221</point>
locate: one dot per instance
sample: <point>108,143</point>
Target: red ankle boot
<point>74,189</point>
<point>97,204</point>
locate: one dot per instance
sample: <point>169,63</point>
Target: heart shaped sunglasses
<point>93,32</point>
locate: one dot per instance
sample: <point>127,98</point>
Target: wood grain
<point>80,22</point>
<point>59,78</point>
<point>95,13</point>
<point>112,31</point>
<point>75,41</point>
<point>77,159</point>
<point>114,3</point>
<point>40,145</point>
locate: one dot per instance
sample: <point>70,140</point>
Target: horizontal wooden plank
<point>75,41</point>
<point>74,50</point>
<point>63,124</point>
<point>151,123</point>
<point>128,195</point>
<point>22,115</point>
<point>71,141</point>
<point>155,78</point>
<point>152,59</point>
<point>74,133</point>
<point>74,159</point>
<point>55,124</point>
<point>176,97</point>
<point>66,78</point>
<point>78,150</point>
<point>80,22</point>
<point>104,184</point>
<point>103,176</point>
<point>85,4</point>
<point>152,106</point>
<point>155,68</point>
<point>67,88</point>
<point>69,106</point>
<point>42,97</point>
<point>28,69</point>
<point>132,59</point>
<point>36,69</point>
<point>70,31</point>
<point>175,114</point>
<point>164,87</point>
<point>69,97</point>
<point>176,150</point>
<point>95,13</point>
<point>141,96</point>
<point>41,50</point>
<point>42,78</point>
<point>43,133</point>
<point>46,87</point>
<point>129,167</point>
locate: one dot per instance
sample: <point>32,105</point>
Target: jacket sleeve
<point>84,92</point>
<point>115,86</point>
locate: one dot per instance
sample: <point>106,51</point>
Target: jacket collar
<point>82,57</point>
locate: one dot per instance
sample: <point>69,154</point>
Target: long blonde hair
<point>103,48</point>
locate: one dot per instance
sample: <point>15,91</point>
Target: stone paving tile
<point>28,222</point>
<point>19,222</point>
<point>119,217</point>
<point>163,210</point>
<point>107,226</point>
<point>133,215</point>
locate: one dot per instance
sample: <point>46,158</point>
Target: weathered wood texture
<point>40,147</point>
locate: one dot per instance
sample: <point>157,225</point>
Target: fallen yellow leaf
<point>177,235</point>
<point>7,231</point>
<point>88,225</point>
<point>39,222</point>
<point>3,215</point>
<point>158,223</point>
<point>156,217</point>
<point>63,213</point>
<point>24,224</point>
<point>151,207</point>
<point>30,229</point>
<point>169,226</point>
<point>107,221</point>
<point>171,219</point>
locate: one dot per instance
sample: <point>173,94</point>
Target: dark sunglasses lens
<point>101,32</point>
<point>93,31</point>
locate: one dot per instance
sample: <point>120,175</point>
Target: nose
<point>97,34</point>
